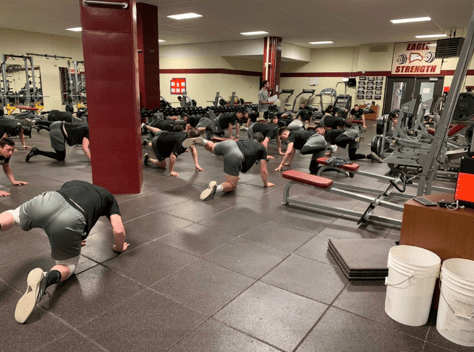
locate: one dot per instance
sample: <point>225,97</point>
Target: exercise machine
<point>286,91</point>
<point>305,91</point>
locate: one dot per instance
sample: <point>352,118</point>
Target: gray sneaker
<point>376,157</point>
<point>192,141</point>
<point>35,290</point>
<point>209,191</point>
<point>145,159</point>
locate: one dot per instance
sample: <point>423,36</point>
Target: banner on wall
<point>177,85</point>
<point>416,58</point>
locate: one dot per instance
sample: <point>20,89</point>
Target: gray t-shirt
<point>262,96</point>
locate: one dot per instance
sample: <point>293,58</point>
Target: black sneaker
<point>36,287</point>
<point>143,127</point>
<point>146,157</point>
<point>209,191</point>
<point>31,153</point>
<point>145,142</point>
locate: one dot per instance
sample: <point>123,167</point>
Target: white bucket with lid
<point>455,319</point>
<point>412,274</point>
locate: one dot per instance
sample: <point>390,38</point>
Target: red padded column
<point>272,60</point>
<point>109,41</point>
<point>148,56</point>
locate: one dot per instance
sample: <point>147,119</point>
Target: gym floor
<point>240,272</point>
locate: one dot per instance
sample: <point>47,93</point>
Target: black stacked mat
<point>361,259</point>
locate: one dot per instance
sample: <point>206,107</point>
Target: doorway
<point>403,89</point>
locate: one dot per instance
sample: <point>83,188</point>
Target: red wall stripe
<point>297,74</point>
<point>210,71</point>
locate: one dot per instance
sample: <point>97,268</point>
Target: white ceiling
<point>345,22</point>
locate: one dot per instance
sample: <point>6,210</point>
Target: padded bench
<point>308,179</point>
<point>453,130</point>
<point>27,108</point>
<point>344,169</point>
<point>328,185</point>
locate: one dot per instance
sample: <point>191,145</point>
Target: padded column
<point>148,56</point>
<point>272,62</point>
<point>109,41</point>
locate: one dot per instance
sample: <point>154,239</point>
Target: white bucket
<point>455,319</point>
<point>412,273</point>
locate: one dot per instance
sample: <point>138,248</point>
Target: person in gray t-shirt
<point>263,98</point>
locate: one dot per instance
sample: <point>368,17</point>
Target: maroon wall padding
<point>274,58</point>
<point>109,41</point>
<point>148,56</point>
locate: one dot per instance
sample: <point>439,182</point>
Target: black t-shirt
<point>269,130</point>
<point>333,121</point>
<point>94,201</point>
<point>4,160</point>
<point>331,135</point>
<point>171,143</point>
<point>76,132</point>
<point>305,114</point>
<point>69,108</point>
<point>253,116</point>
<point>333,112</point>
<point>299,138</point>
<point>164,125</point>
<point>357,114</point>
<point>10,127</point>
<point>193,120</point>
<point>56,115</point>
<point>252,151</point>
<point>227,119</point>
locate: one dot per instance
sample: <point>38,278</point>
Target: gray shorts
<point>233,157</point>
<point>58,141</point>
<point>207,124</point>
<point>63,224</point>
<point>250,132</point>
<point>154,146</point>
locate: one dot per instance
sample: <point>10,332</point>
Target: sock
<point>220,188</point>
<point>204,141</point>
<point>53,277</point>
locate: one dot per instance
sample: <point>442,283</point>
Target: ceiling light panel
<point>409,20</point>
<point>431,36</point>
<point>254,33</point>
<point>185,16</point>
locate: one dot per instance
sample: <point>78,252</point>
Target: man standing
<point>67,217</point>
<point>60,134</point>
<point>263,99</point>
<point>7,147</point>
<point>238,156</point>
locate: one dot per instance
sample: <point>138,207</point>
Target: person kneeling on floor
<point>238,156</point>
<point>67,216</point>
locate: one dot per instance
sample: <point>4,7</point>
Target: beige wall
<point>22,42</point>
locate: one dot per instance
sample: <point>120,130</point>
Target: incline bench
<point>326,184</point>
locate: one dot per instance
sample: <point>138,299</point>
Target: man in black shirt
<point>7,147</point>
<point>67,217</point>
<point>62,133</point>
<point>239,156</point>
<point>229,120</point>
<point>169,145</point>
<point>358,114</point>
<point>350,138</point>
<point>268,130</point>
<point>307,142</point>
<point>11,128</point>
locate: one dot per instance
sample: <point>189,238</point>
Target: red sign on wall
<point>178,85</point>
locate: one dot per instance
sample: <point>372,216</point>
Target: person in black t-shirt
<point>11,128</point>
<point>347,138</point>
<point>60,134</point>
<point>229,120</point>
<point>307,142</point>
<point>169,145</point>
<point>239,156</point>
<point>268,130</point>
<point>67,216</point>
<point>357,113</point>
<point>7,147</point>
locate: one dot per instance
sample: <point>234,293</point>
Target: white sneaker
<point>27,302</point>
<point>192,141</point>
<point>209,191</point>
